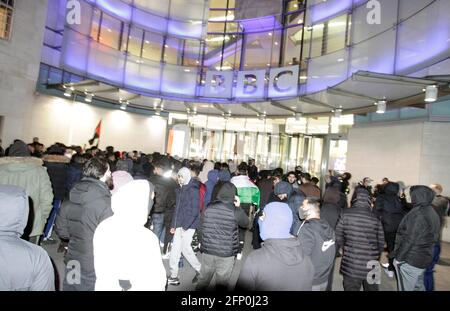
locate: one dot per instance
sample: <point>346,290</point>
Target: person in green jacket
<point>19,169</point>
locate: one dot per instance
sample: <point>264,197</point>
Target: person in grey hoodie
<point>280,264</point>
<point>24,266</point>
<point>318,241</point>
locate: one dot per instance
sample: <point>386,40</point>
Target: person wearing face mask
<point>280,264</point>
<point>185,221</point>
<point>416,237</point>
<point>318,241</point>
<point>121,261</point>
<point>88,205</point>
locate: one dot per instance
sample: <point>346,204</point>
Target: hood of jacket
<point>421,196</point>
<point>209,166</point>
<point>13,210</point>
<point>82,191</point>
<point>276,222</point>
<point>283,187</point>
<point>120,178</point>
<point>224,175</point>
<point>391,188</point>
<point>19,164</point>
<point>322,227</point>
<point>332,195</point>
<point>226,192</point>
<point>186,173</point>
<point>130,203</point>
<point>19,149</point>
<point>213,176</point>
<point>288,251</point>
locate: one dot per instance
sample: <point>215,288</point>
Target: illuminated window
<point>173,50</point>
<point>336,34</point>
<point>110,31</point>
<point>6,14</point>
<point>95,29</point>
<point>153,44</point>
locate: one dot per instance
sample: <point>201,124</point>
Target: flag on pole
<point>96,137</point>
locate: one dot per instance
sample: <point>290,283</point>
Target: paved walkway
<point>186,274</point>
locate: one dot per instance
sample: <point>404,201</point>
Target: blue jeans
<point>158,226</point>
<point>51,219</point>
<point>428,279</point>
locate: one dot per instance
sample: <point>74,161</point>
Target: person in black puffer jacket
<point>389,208</point>
<point>360,233</point>
<point>219,237</point>
<point>56,164</point>
<point>88,205</point>
<point>416,237</point>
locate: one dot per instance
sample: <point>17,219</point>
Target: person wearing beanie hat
<point>280,264</point>
<point>184,223</point>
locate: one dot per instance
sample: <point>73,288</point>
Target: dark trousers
<point>352,284</point>
<point>331,275</point>
<point>428,279</point>
<point>221,267</point>
<point>168,236</point>
<point>390,242</point>
<point>158,226</point>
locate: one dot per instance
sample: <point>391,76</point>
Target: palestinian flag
<point>96,137</point>
<point>247,191</point>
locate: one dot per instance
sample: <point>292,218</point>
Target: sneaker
<point>385,265</point>
<point>161,244</point>
<point>166,256</point>
<point>195,279</point>
<point>239,256</point>
<point>173,281</point>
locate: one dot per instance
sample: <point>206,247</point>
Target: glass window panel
<point>135,41</point>
<point>222,4</point>
<point>294,5</point>
<point>125,34</point>
<point>5,21</point>
<point>159,7</point>
<point>295,19</point>
<point>317,40</point>
<point>110,31</point>
<point>336,31</point>
<point>191,53</point>
<point>292,46</point>
<point>258,47</point>
<point>153,44</point>
<point>216,27</point>
<point>221,15</point>
<point>172,50</point>
<point>95,29</point>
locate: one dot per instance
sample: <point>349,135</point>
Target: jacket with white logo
<point>318,241</point>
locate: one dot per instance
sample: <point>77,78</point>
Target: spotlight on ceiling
<point>123,106</point>
<point>88,98</point>
<point>338,113</point>
<point>381,106</point>
<point>431,93</point>
<point>298,116</point>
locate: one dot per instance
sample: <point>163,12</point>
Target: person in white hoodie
<point>126,253</point>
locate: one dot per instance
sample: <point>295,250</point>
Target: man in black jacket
<point>360,233</point>
<point>416,237</point>
<point>219,236</point>
<point>318,241</point>
<point>389,208</point>
<point>164,202</point>
<point>88,205</point>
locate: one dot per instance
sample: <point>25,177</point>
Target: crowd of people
<point>118,215</point>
